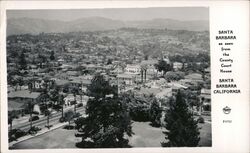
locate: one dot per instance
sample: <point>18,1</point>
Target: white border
<point>224,15</point>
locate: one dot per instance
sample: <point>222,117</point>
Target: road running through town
<point>42,122</point>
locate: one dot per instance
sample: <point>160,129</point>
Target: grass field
<point>145,136</point>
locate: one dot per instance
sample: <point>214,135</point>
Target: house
<point>149,70</point>
<point>149,63</point>
<point>208,70</point>
<point>205,99</point>
<point>194,77</point>
<point>161,83</point>
<point>24,94</point>
<point>60,61</point>
<point>15,106</point>
<point>127,79</point>
<point>117,70</point>
<point>166,92</point>
<point>175,86</point>
<point>80,83</point>
<point>18,100</point>
<point>148,91</point>
<point>61,82</point>
<point>72,73</point>
<point>177,66</point>
<point>93,67</point>
<point>39,83</point>
<point>133,69</point>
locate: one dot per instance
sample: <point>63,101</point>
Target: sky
<point>176,13</point>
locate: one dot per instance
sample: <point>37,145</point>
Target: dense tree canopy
<point>163,66</point>
<point>107,119</point>
<point>22,61</point>
<point>182,129</point>
<point>155,113</point>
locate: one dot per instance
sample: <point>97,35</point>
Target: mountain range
<point>36,26</point>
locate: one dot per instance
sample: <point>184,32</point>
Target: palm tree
<point>61,102</point>
<point>75,91</point>
<point>30,107</point>
<point>69,116</point>
<point>48,114</point>
<point>54,95</point>
<point>201,104</point>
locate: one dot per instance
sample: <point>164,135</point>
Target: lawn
<point>145,136</point>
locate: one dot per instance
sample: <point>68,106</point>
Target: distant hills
<point>36,26</point>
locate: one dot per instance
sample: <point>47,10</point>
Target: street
<point>54,119</point>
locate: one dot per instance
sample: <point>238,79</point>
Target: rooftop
<point>149,62</point>
<point>194,76</point>
<point>149,91</point>
<point>61,82</point>
<point>165,92</point>
<point>24,94</point>
<point>13,105</point>
<point>125,75</point>
<point>205,91</point>
<point>80,80</point>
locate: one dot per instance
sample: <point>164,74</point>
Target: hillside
<point>36,26</point>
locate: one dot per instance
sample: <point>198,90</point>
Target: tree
<point>163,66</point>
<point>107,117</point>
<point>99,87</point>
<point>69,116</point>
<point>22,61</point>
<point>155,113</point>
<point>20,82</point>
<point>182,129</point>
<point>48,114</point>
<point>61,102</point>
<point>41,59</point>
<point>11,116</point>
<point>30,106</point>
<point>52,56</point>
<point>174,76</point>
<point>54,95</point>
<point>44,98</point>
<point>75,91</point>
<point>192,98</point>
<point>13,82</point>
<point>109,61</point>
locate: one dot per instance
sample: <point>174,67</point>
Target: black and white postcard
<point>128,75</point>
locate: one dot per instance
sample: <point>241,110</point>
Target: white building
<point>177,66</point>
<point>127,79</point>
<point>133,69</point>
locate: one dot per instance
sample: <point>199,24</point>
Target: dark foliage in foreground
<point>107,119</point>
<point>182,129</point>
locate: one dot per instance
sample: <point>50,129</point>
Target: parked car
<point>15,134</point>
<point>206,113</point>
<point>33,118</point>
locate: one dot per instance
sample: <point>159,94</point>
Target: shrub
<point>140,113</point>
<point>68,127</point>
<point>15,134</point>
<point>62,119</point>
<point>77,115</point>
<point>34,130</point>
<point>79,123</point>
<point>200,120</point>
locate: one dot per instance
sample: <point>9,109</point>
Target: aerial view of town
<point>108,79</point>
